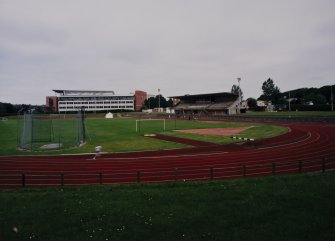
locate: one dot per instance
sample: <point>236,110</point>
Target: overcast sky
<point>177,46</point>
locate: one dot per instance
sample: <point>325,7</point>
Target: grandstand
<point>207,104</point>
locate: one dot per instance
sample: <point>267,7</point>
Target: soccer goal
<point>149,126</point>
<point>50,131</point>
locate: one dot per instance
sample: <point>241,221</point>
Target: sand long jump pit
<point>217,131</point>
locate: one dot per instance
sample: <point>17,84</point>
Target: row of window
<point>98,107</point>
<point>101,98</point>
<point>95,103</point>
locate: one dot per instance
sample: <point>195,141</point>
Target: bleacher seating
<point>207,104</point>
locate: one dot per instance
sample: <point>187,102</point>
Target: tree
<point>149,103</point>
<point>157,101</point>
<point>3,110</point>
<point>252,103</point>
<point>271,92</point>
<point>170,103</point>
<point>317,99</point>
<point>7,108</point>
<point>235,89</point>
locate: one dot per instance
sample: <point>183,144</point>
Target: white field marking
<point>161,165</point>
<point>112,170</point>
<point>150,170</point>
<point>207,154</point>
<point>87,153</point>
<point>134,159</point>
<point>158,157</point>
<point>288,144</point>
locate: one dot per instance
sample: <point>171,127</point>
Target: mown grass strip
<point>297,207</point>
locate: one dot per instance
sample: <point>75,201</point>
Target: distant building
<point>244,105</point>
<point>92,100</point>
<point>207,104</point>
<point>262,103</point>
<point>140,97</point>
<point>51,103</point>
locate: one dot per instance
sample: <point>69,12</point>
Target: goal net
<point>154,125</point>
<point>50,131</point>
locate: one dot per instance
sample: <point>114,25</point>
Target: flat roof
<point>85,92</point>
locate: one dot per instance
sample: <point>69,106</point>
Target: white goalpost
<point>150,124</point>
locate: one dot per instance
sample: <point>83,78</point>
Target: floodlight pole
<point>331,97</point>
<point>159,101</point>
<point>289,100</point>
<point>239,95</point>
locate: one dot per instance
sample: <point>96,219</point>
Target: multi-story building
<point>140,97</point>
<point>91,100</point>
<point>51,103</point>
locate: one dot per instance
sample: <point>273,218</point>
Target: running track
<point>305,148</point>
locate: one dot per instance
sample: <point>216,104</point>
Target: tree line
<point>7,109</point>
<point>302,99</point>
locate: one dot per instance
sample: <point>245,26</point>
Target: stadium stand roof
<point>205,96</point>
<point>222,103</point>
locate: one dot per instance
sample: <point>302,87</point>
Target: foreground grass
<point>272,208</point>
<point>119,135</point>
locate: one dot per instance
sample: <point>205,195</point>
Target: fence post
<point>62,179</point>
<point>323,165</point>
<point>244,170</point>
<point>138,178</point>
<point>23,180</point>
<point>212,173</point>
<point>300,166</point>
<point>100,178</point>
<point>176,173</point>
<point>273,168</point>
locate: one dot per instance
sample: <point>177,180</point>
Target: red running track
<point>305,148</point>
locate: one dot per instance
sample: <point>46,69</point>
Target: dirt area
<point>216,131</point>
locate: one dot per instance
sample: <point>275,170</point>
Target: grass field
<point>296,208</point>
<point>119,135</point>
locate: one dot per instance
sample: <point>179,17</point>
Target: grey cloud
<point>178,46</point>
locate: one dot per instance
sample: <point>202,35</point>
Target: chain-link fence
<point>38,132</point>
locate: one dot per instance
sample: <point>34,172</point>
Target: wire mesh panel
<point>38,132</point>
<point>41,128</point>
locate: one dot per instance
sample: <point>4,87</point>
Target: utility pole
<point>239,95</point>
<point>289,100</point>
<point>159,101</point>
<point>331,97</point>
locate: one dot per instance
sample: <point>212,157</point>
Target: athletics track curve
<point>305,148</point>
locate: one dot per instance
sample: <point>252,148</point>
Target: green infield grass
<point>298,207</point>
<point>127,134</point>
